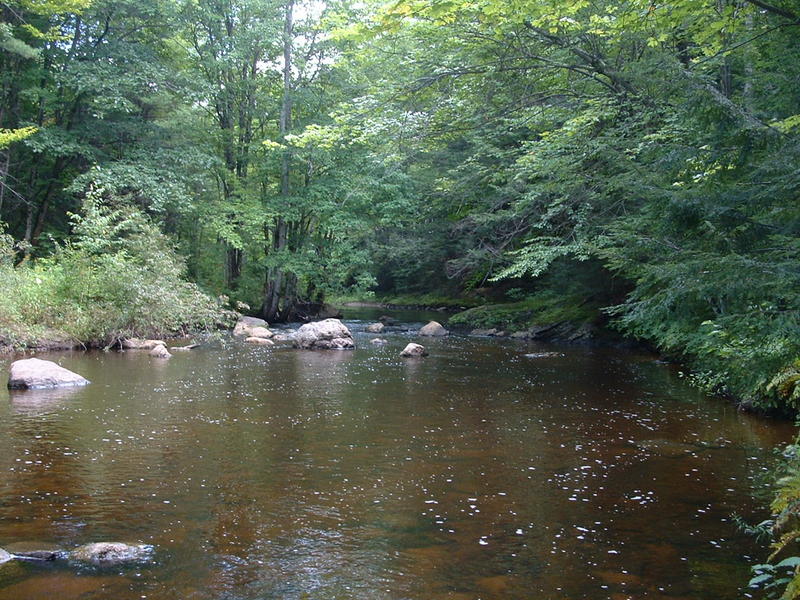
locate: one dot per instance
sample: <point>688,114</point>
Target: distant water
<point>476,473</point>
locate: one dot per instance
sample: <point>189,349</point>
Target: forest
<point>620,162</point>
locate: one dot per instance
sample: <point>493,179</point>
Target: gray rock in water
<point>375,328</point>
<point>35,551</point>
<point>414,351</point>
<point>283,337</point>
<point>184,348</point>
<point>433,329</point>
<point>330,334</point>
<point>246,325</point>
<point>483,332</point>
<point>160,351</point>
<point>111,553</point>
<point>378,341</point>
<point>139,344</point>
<point>33,373</point>
<point>260,341</point>
<point>261,332</point>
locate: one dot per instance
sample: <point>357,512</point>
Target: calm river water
<point>476,473</point>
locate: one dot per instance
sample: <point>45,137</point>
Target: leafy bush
<point>779,577</point>
<point>118,278</point>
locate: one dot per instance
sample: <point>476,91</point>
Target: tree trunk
<point>274,289</point>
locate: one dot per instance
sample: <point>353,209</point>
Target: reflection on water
<point>263,473</point>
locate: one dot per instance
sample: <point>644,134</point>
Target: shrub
<point>118,277</point>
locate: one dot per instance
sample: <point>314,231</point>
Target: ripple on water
<point>474,473</point>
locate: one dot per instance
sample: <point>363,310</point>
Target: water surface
<point>476,473</point>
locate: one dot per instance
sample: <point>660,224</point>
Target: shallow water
<point>476,473</point>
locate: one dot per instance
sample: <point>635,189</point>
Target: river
<point>475,473</point>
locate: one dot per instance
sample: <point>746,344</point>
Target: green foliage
<point>118,278</point>
<point>541,309</point>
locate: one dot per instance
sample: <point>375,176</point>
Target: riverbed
<point>475,473</point>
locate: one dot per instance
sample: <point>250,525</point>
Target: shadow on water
<point>477,472</point>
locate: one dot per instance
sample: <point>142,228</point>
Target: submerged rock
<point>483,332</point>
<point>375,328</point>
<point>543,355</point>
<point>160,351</point>
<point>433,329</point>
<point>111,553</point>
<point>414,350</point>
<point>330,334</point>
<point>184,348</point>
<point>283,337</point>
<point>33,373</point>
<point>378,341</point>
<point>260,341</point>
<point>139,344</point>
<point>246,325</point>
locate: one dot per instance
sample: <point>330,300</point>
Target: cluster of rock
<point>255,331</point>
<point>328,334</point>
<point>98,553</point>
<point>155,348</point>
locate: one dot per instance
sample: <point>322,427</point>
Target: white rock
<point>246,325</point>
<point>433,329</point>
<point>330,334</point>
<point>414,350</point>
<point>261,332</point>
<point>33,373</point>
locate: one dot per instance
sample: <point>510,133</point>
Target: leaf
<point>791,562</point>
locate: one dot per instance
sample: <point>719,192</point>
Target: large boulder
<point>330,334</point>
<point>375,328</point>
<point>433,329</point>
<point>33,373</point>
<point>246,325</point>
<point>111,553</point>
<point>139,344</point>
<point>414,351</point>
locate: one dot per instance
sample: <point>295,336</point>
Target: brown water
<point>476,473</point>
